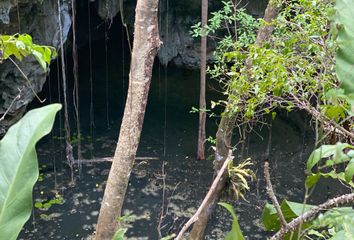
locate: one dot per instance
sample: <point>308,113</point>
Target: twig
<point>309,215</point>
<point>28,81</point>
<point>209,194</point>
<point>18,96</point>
<point>317,115</point>
<point>109,159</point>
<point>272,196</point>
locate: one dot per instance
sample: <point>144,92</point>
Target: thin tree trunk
<point>145,46</point>
<point>202,101</point>
<point>224,135</point>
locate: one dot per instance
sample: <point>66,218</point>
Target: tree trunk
<point>223,144</point>
<point>202,102</point>
<point>145,46</point>
<point>225,132</point>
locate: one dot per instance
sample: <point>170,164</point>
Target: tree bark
<point>145,46</point>
<point>225,132</point>
<point>202,101</point>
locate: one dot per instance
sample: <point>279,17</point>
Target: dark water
<point>170,135</point>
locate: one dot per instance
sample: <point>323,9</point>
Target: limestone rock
<point>40,20</point>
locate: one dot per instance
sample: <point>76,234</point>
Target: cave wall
<point>39,18</point>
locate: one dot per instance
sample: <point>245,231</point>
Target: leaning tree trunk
<point>202,101</point>
<point>145,46</point>
<point>225,131</point>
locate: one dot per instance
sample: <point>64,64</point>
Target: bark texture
<point>202,101</point>
<point>225,132</point>
<point>145,46</point>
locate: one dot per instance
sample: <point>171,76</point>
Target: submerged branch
<point>109,159</point>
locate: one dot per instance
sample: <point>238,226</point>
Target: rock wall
<point>39,18</point>
<point>176,18</point>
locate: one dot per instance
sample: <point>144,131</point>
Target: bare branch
<point>18,96</point>
<point>272,196</point>
<point>28,81</point>
<point>109,159</point>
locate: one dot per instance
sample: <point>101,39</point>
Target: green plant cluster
<point>306,64</point>
<point>294,70</point>
<point>332,161</point>
<point>46,204</point>
<point>327,158</point>
<point>231,27</point>
<point>295,67</point>
<point>21,45</point>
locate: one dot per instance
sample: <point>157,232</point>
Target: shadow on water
<point>170,134</point>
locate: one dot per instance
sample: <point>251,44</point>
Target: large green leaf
<point>325,151</point>
<point>337,223</point>
<point>235,233</point>
<point>345,52</point>
<point>289,209</point>
<point>333,155</point>
<point>19,168</point>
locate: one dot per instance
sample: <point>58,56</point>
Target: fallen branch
<point>109,159</point>
<point>272,196</point>
<point>194,218</point>
<point>311,214</point>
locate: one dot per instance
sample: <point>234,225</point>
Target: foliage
<point>19,168</point>
<point>344,59</point>
<point>296,65</point>
<point>237,29</point>
<point>333,224</point>
<point>119,235</point>
<point>333,156</point>
<point>290,211</point>
<point>21,45</point>
<point>46,204</point>
<point>238,177</point>
<point>295,70</point>
<point>235,233</point>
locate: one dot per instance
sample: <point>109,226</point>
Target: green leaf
<point>326,151</point>
<point>289,209</point>
<point>235,233</point>
<point>19,168</point>
<point>349,171</point>
<point>21,45</point>
<point>312,179</point>
<point>340,221</point>
<point>269,217</point>
<point>345,54</point>
<point>119,235</point>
